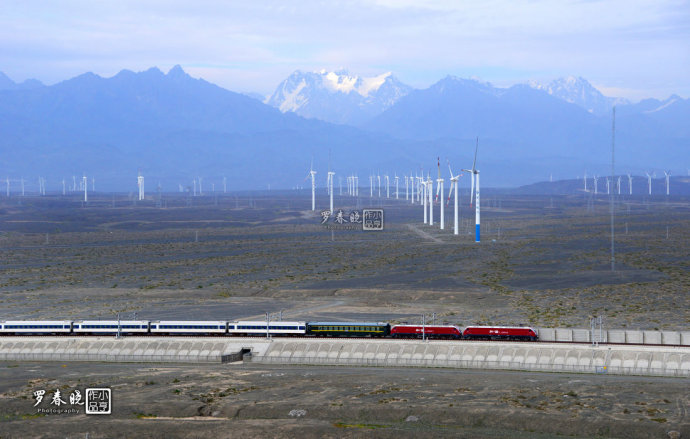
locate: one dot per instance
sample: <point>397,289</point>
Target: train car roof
<point>189,322</point>
<point>109,322</point>
<point>32,322</point>
<point>263,322</point>
<point>349,323</point>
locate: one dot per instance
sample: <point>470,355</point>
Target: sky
<point>626,48</point>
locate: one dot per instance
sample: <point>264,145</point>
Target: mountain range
<point>337,97</point>
<point>174,128</point>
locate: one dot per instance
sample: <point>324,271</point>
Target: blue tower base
<point>477,234</point>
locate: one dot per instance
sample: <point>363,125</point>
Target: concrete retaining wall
<point>670,338</point>
<point>127,349</point>
<point>637,360</point>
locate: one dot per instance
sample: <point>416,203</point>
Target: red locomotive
<point>429,331</point>
<point>500,333</point>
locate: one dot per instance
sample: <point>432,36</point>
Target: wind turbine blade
<point>472,190</point>
<point>449,169</point>
<point>474,163</point>
<point>450,192</point>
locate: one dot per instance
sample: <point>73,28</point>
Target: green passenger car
<point>348,329</point>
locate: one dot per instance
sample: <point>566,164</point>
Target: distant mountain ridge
<point>337,97</point>
<point>580,92</point>
<point>174,127</point>
<point>7,84</point>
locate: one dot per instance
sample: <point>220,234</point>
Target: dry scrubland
<point>544,261</point>
<point>263,401</point>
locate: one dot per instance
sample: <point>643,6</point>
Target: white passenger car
<point>36,327</point>
<point>189,327</point>
<point>259,328</point>
<point>110,326</point>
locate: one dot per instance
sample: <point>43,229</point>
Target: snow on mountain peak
<point>337,96</point>
<point>577,90</point>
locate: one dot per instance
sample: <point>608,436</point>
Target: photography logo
<point>372,219</point>
<point>98,401</point>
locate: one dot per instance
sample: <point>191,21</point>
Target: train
<point>263,328</point>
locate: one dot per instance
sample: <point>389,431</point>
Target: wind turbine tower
<point>439,189</point>
<point>618,183</point>
<point>63,187</point>
<point>225,184</point>
<point>140,185</point>
<point>330,186</point>
<point>387,186</point>
<point>430,193</point>
<point>312,173</point>
<point>86,186</point>
<point>8,186</point>
<point>630,183</point>
<point>423,196</point>
<point>475,187</point>
<point>668,175</point>
<point>454,185</point>
<point>596,184</point>
<point>396,185</point>
<point>585,181</point>
<point>649,182</point>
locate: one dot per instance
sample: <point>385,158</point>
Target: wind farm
<point>261,220</point>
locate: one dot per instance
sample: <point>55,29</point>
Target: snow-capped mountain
<point>339,96</point>
<point>580,92</point>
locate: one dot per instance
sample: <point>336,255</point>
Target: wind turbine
<point>667,174</point>
<point>585,181</point>
<point>439,189</point>
<point>454,185</point>
<point>312,174</point>
<point>618,184</point>
<point>430,193</point>
<point>407,188</point>
<point>596,185</point>
<point>225,187</point>
<point>378,177</point>
<point>649,182</point>
<point>475,176</point>
<point>630,183</point>
<point>329,182</point>
<point>371,186</point>
<point>387,186</point>
<point>396,185</point>
<point>86,186</point>
<point>8,186</point>
<point>608,186</point>
<point>140,185</point>
<point>423,200</point>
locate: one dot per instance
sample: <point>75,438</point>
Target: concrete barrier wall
<point>671,338</point>
<point>638,360</point>
<point>127,349</point>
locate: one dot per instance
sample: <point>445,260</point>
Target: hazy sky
<point>626,48</point>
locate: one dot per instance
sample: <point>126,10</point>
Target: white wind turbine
<point>630,183</point>
<point>585,181</point>
<point>407,189</point>
<point>668,175</point>
<point>422,192</point>
<point>8,186</point>
<point>649,182</point>
<point>430,193</point>
<point>312,174</point>
<point>387,186</point>
<point>371,186</point>
<point>439,189</point>
<point>596,184</point>
<point>396,185</point>
<point>86,186</point>
<point>329,182</point>
<point>140,185</point>
<point>475,187</point>
<point>618,184</point>
<point>378,178</point>
<point>608,186</point>
<point>454,185</point>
